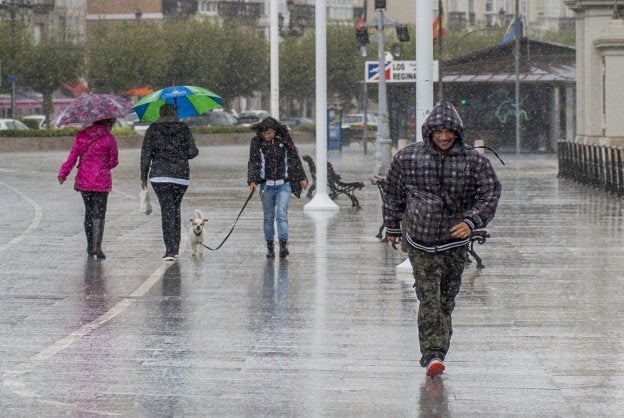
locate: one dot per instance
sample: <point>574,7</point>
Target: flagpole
<point>517,71</point>
<point>440,33</point>
<point>274,58</point>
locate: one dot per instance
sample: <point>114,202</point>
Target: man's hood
<point>443,116</point>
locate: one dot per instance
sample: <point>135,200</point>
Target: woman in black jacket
<point>167,147</point>
<point>275,167</point>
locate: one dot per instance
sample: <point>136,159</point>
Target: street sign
<point>396,71</point>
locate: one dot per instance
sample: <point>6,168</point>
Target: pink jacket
<point>96,148</point>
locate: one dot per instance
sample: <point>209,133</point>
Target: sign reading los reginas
<point>396,71</point>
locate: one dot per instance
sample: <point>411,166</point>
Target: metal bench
<point>334,183</point>
<point>479,236</point>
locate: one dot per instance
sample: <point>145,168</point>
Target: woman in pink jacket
<point>95,150</point>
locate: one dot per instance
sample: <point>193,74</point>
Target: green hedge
<point>38,133</point>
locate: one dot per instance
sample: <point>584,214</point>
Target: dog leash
<point>232,229</point>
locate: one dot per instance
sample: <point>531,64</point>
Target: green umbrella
<point>188,100</point>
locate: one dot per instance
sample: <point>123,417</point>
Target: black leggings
<point>95,206</point>
<point>170,199</point>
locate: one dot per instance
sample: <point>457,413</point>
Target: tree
<point>297,70</point>
<point>50,64</point>
<point>15,44</point>
<point>123,56</point>
<point>345,67</point>
<point>241,59</point>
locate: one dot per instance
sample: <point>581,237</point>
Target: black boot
<point>283,249</point>
<point>270,249</point>
<point>98,233</point>
<point>88,227</point>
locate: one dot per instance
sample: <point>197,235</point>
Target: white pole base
<point>320,202</point>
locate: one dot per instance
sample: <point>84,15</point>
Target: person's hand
<point>144,184</point>
<point>61,180</point>
<point>461,230</point>
<point>252,186</point>
<point>304,184</point>
<point>394,241</point>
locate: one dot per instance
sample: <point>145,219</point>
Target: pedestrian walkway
<point>331,331</point>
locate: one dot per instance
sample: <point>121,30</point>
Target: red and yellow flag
<point>438,29</point>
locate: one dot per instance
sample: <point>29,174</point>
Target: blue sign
<point>12,79</point>
<point>334,129</point>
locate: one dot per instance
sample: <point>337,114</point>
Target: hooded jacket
<point>96,151</point>
<point>426,194</point>
<point>275,160</point>
<point>167,147</point>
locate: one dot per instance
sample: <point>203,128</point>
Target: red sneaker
<point>435,367</point>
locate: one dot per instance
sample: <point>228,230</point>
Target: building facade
<point>599,61</point>
<point>538,15</point>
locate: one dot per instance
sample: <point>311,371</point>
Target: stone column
<point>599,63</point>
<point>569,113</point>
<point>555,122</point>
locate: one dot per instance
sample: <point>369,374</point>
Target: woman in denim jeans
<point>275,168</point>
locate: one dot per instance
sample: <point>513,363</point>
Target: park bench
<point>479,236</point>
<point>334,183</point>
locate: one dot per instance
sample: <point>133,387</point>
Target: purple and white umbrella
<point>93,107</point>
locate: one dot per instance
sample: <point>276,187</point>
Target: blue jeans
<point>275,200</point>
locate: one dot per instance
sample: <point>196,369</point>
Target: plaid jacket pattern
<point>426,194</point>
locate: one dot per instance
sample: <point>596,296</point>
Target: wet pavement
<point>331,331</point>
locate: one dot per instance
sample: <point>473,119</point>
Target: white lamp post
<point>274,42</point>
<point>321,200</point>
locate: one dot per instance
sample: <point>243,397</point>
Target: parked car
<point>6,124</point>
<point>295,121</point>
<point>131,119</point>
<point>356,120</point>
<point>214,118</point>
<point>35,121</point>
<point>251,117</point>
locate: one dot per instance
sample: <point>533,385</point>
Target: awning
<point>137,92</point>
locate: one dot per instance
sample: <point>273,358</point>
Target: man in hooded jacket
<point>437,192</point>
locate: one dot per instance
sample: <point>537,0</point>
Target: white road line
<point>11,378</point>
<point>33,225</point>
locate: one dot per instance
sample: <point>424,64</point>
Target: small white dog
<point>196,233</point>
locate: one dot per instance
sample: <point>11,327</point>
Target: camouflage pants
<point>437,278</point>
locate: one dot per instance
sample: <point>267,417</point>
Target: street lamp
<point>361,34</point>
<point>383,143</point>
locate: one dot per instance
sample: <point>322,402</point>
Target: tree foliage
<point>15,45</point>
<point>345,66</point>
<point>123,56</point>
<point>230,62</point>
<point>50,64</point>
<point>297,69</point>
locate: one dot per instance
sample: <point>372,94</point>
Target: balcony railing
<point>239,10</point>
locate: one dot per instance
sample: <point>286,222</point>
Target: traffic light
<point>402,33</point>
<point>464,101</point>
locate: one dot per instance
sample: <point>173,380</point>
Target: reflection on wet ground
<point>331,331</point>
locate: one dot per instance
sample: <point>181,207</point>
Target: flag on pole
<point>515,28</point>
<point>361,24</point>
<point>361,32</point>
<point>437,29</point>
